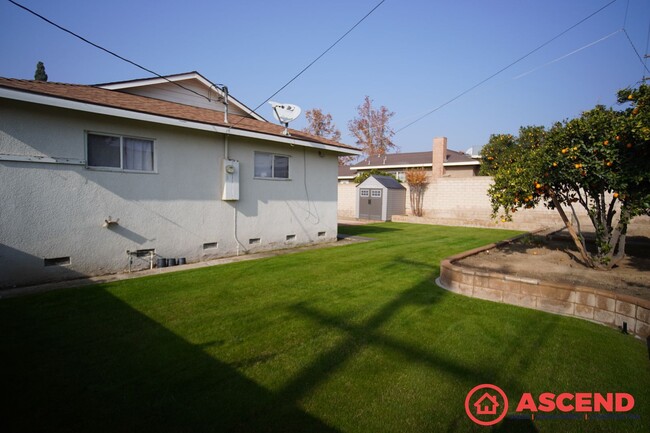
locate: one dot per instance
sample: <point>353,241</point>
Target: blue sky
<point>410,56</point>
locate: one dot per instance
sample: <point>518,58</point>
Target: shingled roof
<point>412,159</point>
<point>141,104</point>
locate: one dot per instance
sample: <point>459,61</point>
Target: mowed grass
<point>347,339</point>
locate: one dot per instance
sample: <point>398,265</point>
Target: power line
<point>317,58</point>
<point>104,49</point>
<point>636,52</point>
<point>480,83</point>
<point>569,54</point>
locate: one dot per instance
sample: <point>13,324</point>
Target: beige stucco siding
<point>57,210</point>
<point>189,94</point>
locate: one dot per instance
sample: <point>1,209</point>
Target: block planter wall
<point>600,306</point>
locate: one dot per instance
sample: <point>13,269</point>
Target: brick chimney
<point>439,157</point>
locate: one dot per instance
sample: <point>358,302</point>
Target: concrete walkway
<point>47,287</point>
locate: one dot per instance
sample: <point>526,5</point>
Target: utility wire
<point>317,58</point>
<point>480,83</point>
<point>104,49</point>
<point>636,52</point>
<point>569,54</point>
<point>647,43</point>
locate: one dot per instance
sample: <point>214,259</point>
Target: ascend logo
<point>487,404</point>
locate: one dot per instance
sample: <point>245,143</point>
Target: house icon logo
<point>486,404</point>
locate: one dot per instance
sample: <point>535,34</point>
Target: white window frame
<point>273,155</point>
<point>375,193</point>
<point>121,167</point>
<point>364,193</point>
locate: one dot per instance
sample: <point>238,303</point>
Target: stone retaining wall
<point>600,306</point>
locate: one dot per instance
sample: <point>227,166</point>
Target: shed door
<point>370,203</point>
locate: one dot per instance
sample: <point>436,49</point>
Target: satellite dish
<point>285,113</point>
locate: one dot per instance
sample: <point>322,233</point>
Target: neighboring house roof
<point>386,181</point>
<point>412,160</point>
<point>346,173</point>
<point>176,79</point>
<point>120,104</point>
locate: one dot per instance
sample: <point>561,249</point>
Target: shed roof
<point>386,181</point>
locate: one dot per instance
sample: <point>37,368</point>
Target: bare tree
<point>322,125</point>
<point>372,130</point>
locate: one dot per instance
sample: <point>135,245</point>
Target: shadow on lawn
<point>142,377</point>
<point>519,351</point>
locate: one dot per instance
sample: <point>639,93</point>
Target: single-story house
<point>443,161</point>
<point>346,175</point>
<point>98,179</point>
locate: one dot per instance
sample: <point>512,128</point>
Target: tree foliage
<point>39,74</point>
<point>372,130</point>
<point>322,125</point>
<point>599,161</point>
<point>367,173</point>
<point>417,180</point>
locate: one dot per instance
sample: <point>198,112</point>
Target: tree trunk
<point>572,231</point>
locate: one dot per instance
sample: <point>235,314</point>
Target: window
<point>120,153</point>
<point>269,165</point>
<point>364,193</point>
<point>375,193</point>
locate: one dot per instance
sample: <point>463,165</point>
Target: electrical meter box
<point>230,169</point>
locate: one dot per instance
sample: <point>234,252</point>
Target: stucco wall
<point>171,92</point>
<point>53,210</point>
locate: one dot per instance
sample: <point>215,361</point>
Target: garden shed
<point>380,197</point>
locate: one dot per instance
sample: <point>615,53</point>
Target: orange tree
<point>599,161</point>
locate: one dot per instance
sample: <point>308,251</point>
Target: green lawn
<point>347,339</point>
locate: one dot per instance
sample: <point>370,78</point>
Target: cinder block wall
<point>464,202</point>
<point>459,201</point>
<point>347,195</point>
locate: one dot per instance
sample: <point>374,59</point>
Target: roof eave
<point>53,101</point>
<point>389,167</point>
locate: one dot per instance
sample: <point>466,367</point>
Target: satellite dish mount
<point>285,113</point>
